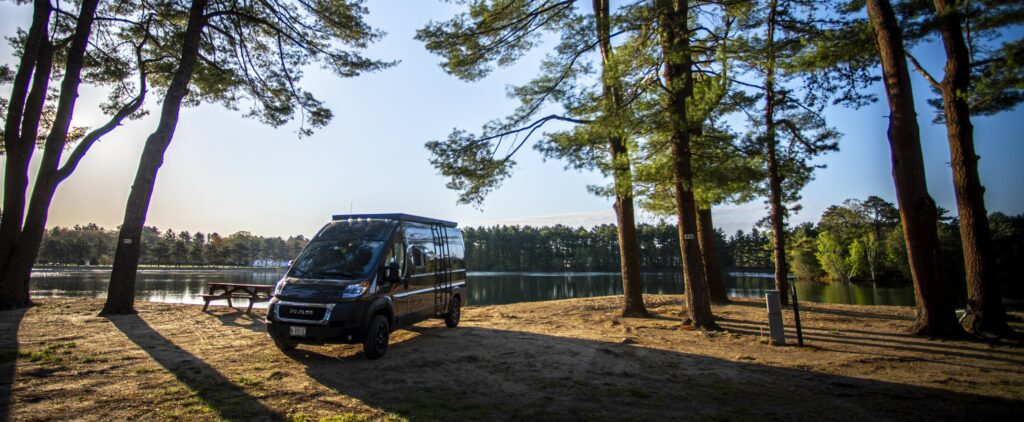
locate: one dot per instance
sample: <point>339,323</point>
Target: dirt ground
<point>570,359</point>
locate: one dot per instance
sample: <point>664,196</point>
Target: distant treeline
<point>563,248</point>
<point>94,245</point>
<point>855,241</point>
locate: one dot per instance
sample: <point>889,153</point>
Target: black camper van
<point>363,276</point>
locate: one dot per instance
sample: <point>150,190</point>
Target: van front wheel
<point>454,313</point>
<point>375,344</point>
<point>283,345</point>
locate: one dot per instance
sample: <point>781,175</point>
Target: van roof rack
<point>399,217</point>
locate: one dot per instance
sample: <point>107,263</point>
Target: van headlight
<point>279,287</point>
<point>354,290</point>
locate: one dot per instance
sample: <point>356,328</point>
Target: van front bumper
<point>342,323</point>
<point>319,334</point>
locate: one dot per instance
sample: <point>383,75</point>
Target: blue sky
<point>225,173</point>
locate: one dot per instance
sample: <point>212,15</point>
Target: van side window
<point>397,254</point>
<point>420,243</point>
<point>419,259</point>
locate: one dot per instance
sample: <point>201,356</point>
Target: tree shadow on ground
<point>10,322</point>
<point>485,374</point>
<point>887,341</point>
<point>810,307</point>
<point>223,396</point>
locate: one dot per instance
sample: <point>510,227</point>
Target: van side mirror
<point>393,273</point>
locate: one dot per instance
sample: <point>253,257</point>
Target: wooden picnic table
<point>253,292</point>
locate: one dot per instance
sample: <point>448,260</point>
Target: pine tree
<point>226,51</point>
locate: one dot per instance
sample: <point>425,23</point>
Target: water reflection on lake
<point>485,288</point>
<point>171,286</point>
<point>497,288</point>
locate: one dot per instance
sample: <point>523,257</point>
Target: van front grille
<point>306,313</point>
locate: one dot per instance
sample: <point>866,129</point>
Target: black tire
<point>375,345</point>
<point>284,345</point>
<point>451,320</point>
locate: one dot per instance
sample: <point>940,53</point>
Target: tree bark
<point>934,309</point>
<point>778,212</point>
<point>709,252</point>
<point>629,246</point>
<point>121,293</point>
<point>21,128</point>
<point>985,312</point>
<point>673,20</point>
<point>19,267</point>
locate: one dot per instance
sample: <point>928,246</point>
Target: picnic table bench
<point>253,292</point>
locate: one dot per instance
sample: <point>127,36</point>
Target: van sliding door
<point>422,260</point>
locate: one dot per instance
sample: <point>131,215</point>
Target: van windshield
<point>343,249</point>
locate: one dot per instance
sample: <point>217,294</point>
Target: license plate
<point>297,331</point>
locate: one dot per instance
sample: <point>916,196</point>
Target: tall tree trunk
<point>709,252</point>
<point>935,313</point>
<point>19,266</point>
<point>629,246</point>
<point>629,253</point>
<point>121,294</point>
<point>673,20</point>
<point>778,212</point>
<point>21,129</point>
<point>985,312</point>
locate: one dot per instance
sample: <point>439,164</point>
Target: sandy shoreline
<point>567,359</point>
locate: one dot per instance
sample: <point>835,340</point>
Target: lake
<point>485,288</point>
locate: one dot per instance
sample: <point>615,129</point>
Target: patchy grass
<point>53,354</point>
<point>145,370</point>
<point>248,381</point>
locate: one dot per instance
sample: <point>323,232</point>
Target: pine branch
<point>927,76</point>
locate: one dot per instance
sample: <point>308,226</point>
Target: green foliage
<point>801,254</point>
<point>999,80</point>
<point>896,252</point>
<point>722,173</point>
<point>863,240</point>
<point>750,250</point>
<point>996,56</point>
<point>497,32</point>
<point>857,260</point>
<point>1008,244</point>
<point>844,222</point>
<point>110,63</point>
<point>836,56</point>
<point>865,230</point>
<point>870,255</point>
<point>842,246</point>
<point>94,245</point>
<point>833,257</point>
<point>878,212</point>
<point>490,33</point>
<point>254,53</point>
<point>562,248</point>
